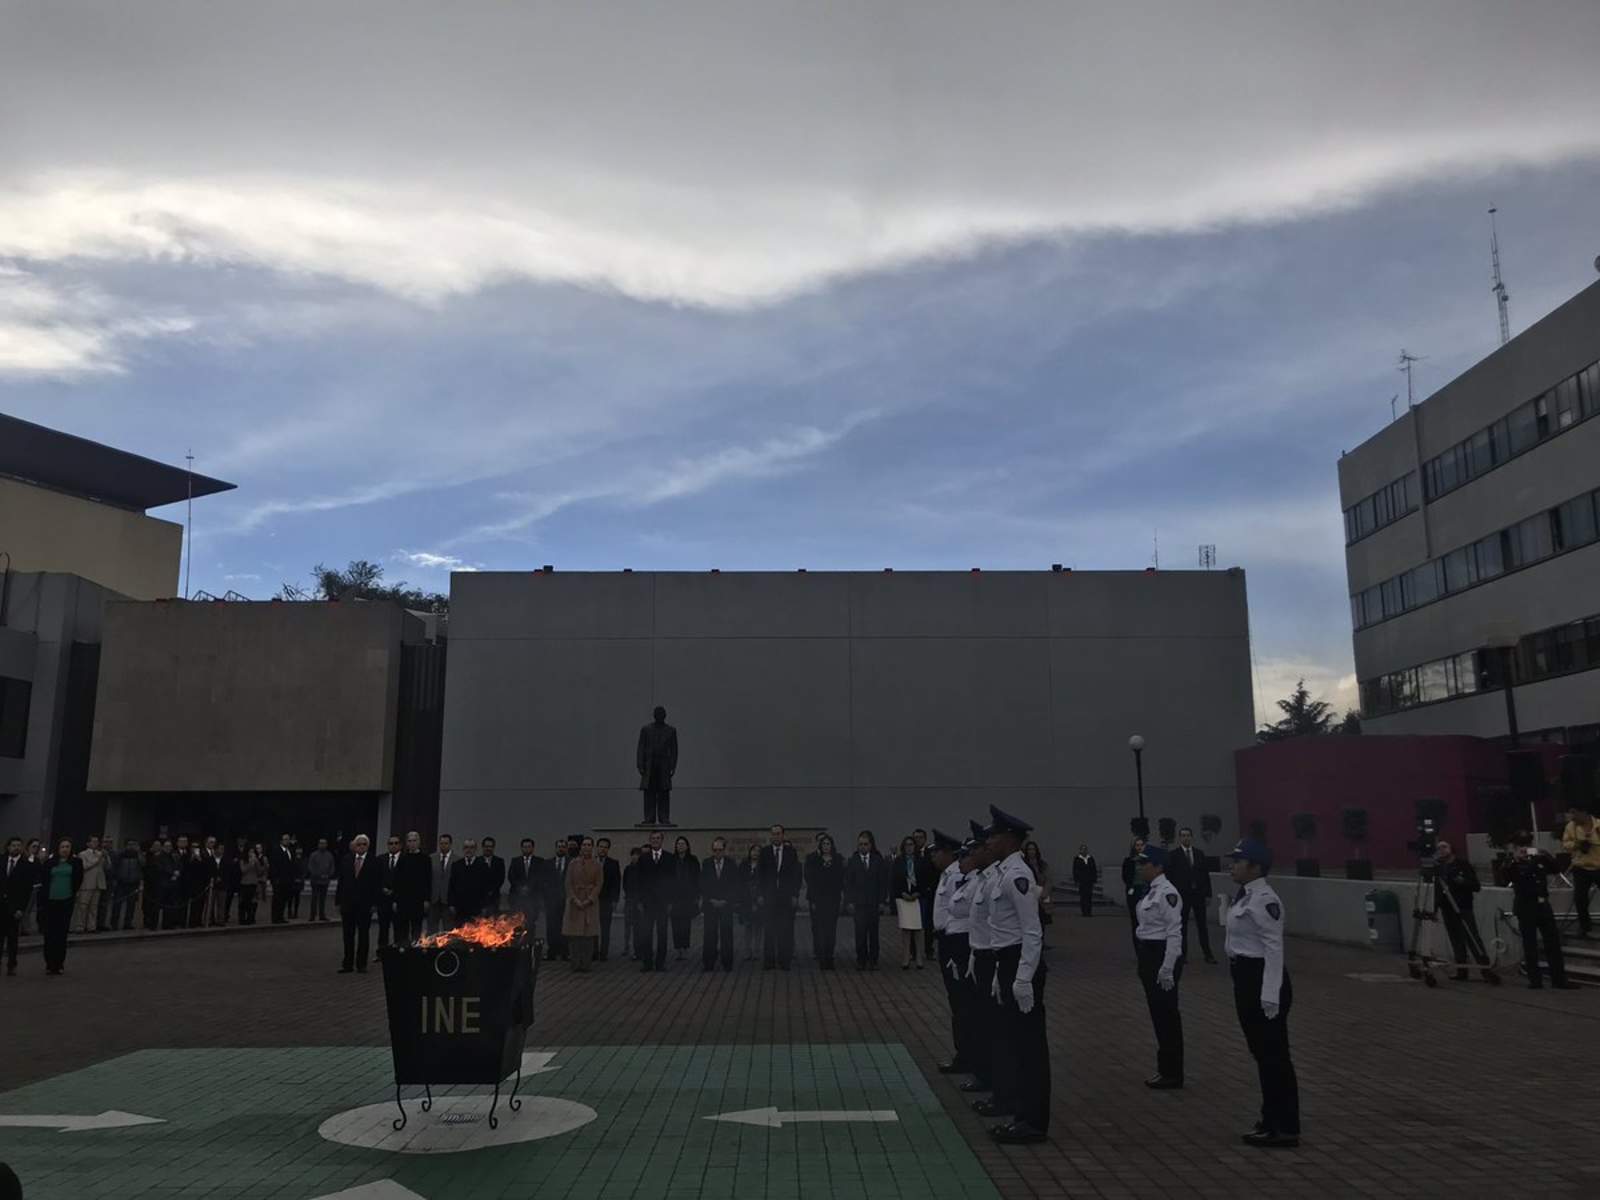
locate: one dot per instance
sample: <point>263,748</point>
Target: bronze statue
<point>657,760</point>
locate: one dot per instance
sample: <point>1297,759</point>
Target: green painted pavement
<point>244,1123</point>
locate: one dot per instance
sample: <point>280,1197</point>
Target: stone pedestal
<point>740,839</point>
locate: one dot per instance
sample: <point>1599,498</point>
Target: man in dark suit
<point>555,900</point>
<point>866,889</point>
<point>927,885</point>
<point>1186,870</point>
<point>719,889</point>
<point>410,881</point>
<point>359,881</point>
<point>780,875</point>
<point>496,879</point>
<point>610,892</point>
<point>655,879</point>
<point>1085,874</point>
<point>385,904</point>
<point>280,871</point>
<point>525,874</point>
<point>16,886</point>
<point>469,881</point>
<point>657,760</point>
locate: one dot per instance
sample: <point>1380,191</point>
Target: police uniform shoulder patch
<point>1172,899</point>
<point>1022,885</point>
<point>1274,911</point>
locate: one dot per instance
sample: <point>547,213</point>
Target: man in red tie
<point>359,880</point>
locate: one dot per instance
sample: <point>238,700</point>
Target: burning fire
<point>490,933</point>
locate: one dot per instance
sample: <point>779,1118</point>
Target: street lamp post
<point>1136,744</point>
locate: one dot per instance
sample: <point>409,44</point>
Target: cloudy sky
<point>756,285</point>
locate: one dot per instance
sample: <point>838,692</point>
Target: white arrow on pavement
<point>383,1189</point>
<point>111,1119</point>
<point>771,1118</point>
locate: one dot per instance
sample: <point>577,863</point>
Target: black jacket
<point>866,885</point>
<point>526,880</point>
<point>555,881</point>
<point>899,885</point>
<point>1193,883</point>
<point>824,881</point>
<point>780,884</point>
<point>1529,879</point>
<point>1458,876</point>
<point>18,885</point>
<point>1085,871</point>
<point>726,889</point>
<point>409,881</point>
<point>610,881</point>
<point>655,880</point>
<point>469,885</point>
<point>362,892</point>
<point>280,864</point>
<point>685,886</point>
<point>495,881</point>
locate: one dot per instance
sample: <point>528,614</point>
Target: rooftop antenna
<point>1155,548</point>
<point>188,523</point>
<point>1208,556</point>
<point>1393,401</point>
<point>1407,360</point>
<point>1501,298</point>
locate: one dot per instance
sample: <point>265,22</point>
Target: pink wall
<point>1384,775</point>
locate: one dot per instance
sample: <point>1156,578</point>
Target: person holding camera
<point>1455,883</point>
<point>1580,840</point>
<point>1529,877</point>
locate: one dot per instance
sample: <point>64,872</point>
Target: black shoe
<point>861,966</point>
<point>1275,1141</point>
<point>1536,986</point>
<point>1017,1133</point>
<point>768,966</point>
<point>345,970</point>
<point>785,966</point>
<point>1566,985</point>
<point>953,1067</point>
<point>1257,1134</point>
<point>1163,1083</point>
<point>645,968</point>
<point>1461,976</point>
<point>1211,960</point>
<point>973,1085</point>
<point>987,1108</point>
<point>708,967</point>
<point>361,970</point>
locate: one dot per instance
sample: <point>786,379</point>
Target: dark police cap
<point>1006,823</point>
<point>1252,850</point>
<point>1156,856</point>
<point>943,841</point>
<point>979,831</point>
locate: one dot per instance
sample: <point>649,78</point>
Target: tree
<point>1302,717</point>
<point>1351,724</point>
<point>363,580</point>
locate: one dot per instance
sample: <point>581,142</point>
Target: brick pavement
<point>1461,1090</point>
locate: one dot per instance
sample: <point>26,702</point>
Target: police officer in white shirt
<point>1261,993</point>
<point>1158,940</point>
<point>1017,935</point>
<point>953,945</point>
<point>982,1019</point>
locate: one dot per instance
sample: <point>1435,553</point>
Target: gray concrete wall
<point>127,552</point>
<point>218,697</point>
<point>846,700</point>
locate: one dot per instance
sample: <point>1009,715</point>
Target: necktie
<point>360,858</point>
<point>1239,895</point>
<point>393,859</point>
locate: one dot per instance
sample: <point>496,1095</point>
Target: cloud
<point>433,562</point>
<point>1276,678</point>
<point>727,155</point>
<point>243,577</point>
<point>51,329</point>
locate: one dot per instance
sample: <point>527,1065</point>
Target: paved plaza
<point>265,1074</point>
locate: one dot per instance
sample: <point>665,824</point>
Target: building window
<point>15,695</point>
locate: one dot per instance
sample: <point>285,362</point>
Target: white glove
<point>994,988</point>
<point>1022,989</point>
<point>955,971</point>
<point>1164,979</point>
<point>972,966</point>
<point>1269,1010</point>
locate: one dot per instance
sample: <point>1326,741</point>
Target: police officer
<point>1018,939</point>
<point>1261,993</point>
<point>951,912</point>
<point>1530,887</point>
<point>982,1022</point>
<point>1158,939</point>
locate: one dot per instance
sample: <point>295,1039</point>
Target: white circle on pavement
<point>454,1125</point>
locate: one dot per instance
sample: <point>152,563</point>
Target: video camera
<point>1426,846</point>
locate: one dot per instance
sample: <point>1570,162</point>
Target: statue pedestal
<point>740,839</point>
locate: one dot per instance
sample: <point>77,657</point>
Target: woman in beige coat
<point>580,924</point>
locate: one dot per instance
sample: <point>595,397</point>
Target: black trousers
<point>357,919</point>
<point>983,1024</point>
<point>385,921</point>
<point>866,917</point>
<point>653,927</point>
<point>151,906</point>
<point>280,901</point>
<point>319,902</point>
<point>657,808</point>
<point>1534,920</point>
<point>825,930</point>
<point>928,935</point>
<point>1086,899</point>
<point>777,944</point>
<point>555,945</point>
<point>1195,907</point>
<point>718,940</point>
<point>1164,1015</point>
<point>1027,1050</point>
<point>55,916</point>
<point>1462,929</point>
<point>954,952</point>
<point>682,928</point>
<point>10,930</point>
<point>607,908</point>
<point>407,923</point>
<point>1583,879</point>
<point>1269,1045</point>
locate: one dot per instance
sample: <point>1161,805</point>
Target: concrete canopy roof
<point>79,467</point>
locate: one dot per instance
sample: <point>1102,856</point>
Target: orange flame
<point>491,933</point>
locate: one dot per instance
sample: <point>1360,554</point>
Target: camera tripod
<point>1426,928</point>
